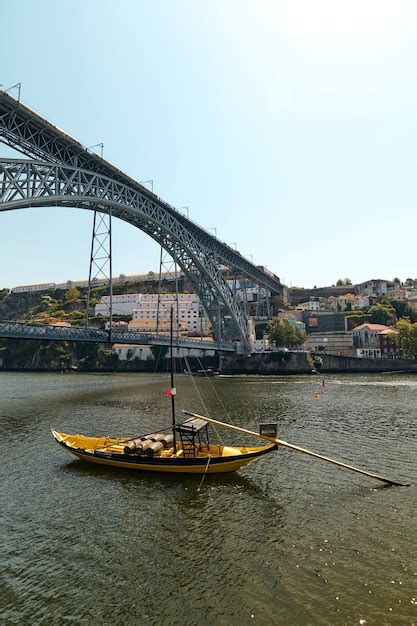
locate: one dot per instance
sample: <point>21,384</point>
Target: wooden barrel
<point>154,448</point>
<point>168,440</point>
<point>145,445</point>
<point>155,437</point>
<point>131,446</point>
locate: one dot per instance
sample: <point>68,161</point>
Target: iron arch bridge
<point>62,173</point>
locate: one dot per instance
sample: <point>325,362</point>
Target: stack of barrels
<point>150,445</point>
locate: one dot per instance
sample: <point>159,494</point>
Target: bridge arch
<point>30,184</point>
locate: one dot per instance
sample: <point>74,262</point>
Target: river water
<point>288,539</point>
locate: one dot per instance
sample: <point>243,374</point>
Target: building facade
<point>332,343</point>
<point>191,317</point>
<point>367,335</point>
<point>324,321</point>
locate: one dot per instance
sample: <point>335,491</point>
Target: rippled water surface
<point>288,539</point>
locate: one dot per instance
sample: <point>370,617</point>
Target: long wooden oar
<point>298,449</point>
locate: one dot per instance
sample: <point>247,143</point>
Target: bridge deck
<point>19,330</point>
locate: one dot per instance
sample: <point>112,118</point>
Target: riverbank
<point>269,363</point>
<point>283,363</point>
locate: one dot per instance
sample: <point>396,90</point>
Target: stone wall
<point>281,363</point>
<point>296,296</point>
<point>268,363</point>
<point>332,363</point>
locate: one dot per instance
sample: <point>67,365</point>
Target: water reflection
<point>287,539</point>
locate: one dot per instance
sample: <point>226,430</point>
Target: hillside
<point>68,305</point>
<point>59,305</point>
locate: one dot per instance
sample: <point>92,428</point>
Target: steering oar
<point>280,442</point>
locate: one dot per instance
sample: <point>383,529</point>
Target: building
<point>399,295</point>
<point>324,321</point>
<point>367,335</point>
<point>314,303</point>
<point>331,343</point>
<point>375,341</point>
<point>362,302</point>
<point>121,305</point>
<point>128,352</point>
<point>143,325</point>
<point>412,298</point>
<point>30,288</point>
<point>191,317</point>
<point>145,310</point>
<point>376,287</point>
<point>368,353</point>
<point>388,347</point>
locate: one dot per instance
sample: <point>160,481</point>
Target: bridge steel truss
<point>19,330</point>
<point>64,173</point>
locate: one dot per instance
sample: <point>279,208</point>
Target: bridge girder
<point>25,184</point>
<point>79,171</point>
<point>33,135</point>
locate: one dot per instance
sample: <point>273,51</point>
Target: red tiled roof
<point>372,326</point>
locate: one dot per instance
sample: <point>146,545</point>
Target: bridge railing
<point>21,330</point>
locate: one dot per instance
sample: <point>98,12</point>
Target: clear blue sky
<point>290,126</point>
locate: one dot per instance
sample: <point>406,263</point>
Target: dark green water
<point>286,540</point>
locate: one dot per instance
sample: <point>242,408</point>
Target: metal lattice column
<point>101,260</point>
<point>263,303</point>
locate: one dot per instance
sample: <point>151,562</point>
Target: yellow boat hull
<point>109,451</point>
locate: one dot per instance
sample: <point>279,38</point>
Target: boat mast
<point>172,381</point>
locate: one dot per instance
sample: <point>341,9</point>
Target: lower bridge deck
<point>20,330</point>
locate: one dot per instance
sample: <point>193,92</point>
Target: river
<point>288,539</point>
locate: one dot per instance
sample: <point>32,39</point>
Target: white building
<point>122,305</point>
<point>128,352</point>
<point>191,317</point>
<point>376,287</point>
<point>366,339</point>
<point>29,288</point>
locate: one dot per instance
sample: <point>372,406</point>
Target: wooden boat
<point>199,457</point>
<point>186,449</point>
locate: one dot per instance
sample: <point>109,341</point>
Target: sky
<point>288,128</point>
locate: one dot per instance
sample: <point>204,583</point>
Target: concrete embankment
<point>281,363</point>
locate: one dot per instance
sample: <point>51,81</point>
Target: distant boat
<point>209,371</point>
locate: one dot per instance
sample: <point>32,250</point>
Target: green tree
<point>404,309</point>
<point>343,281</point>
<point>382,314</point>
<point>407,336</point>
<point>72,294</point>
<point>3,293</point>
<point>282,333</point>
